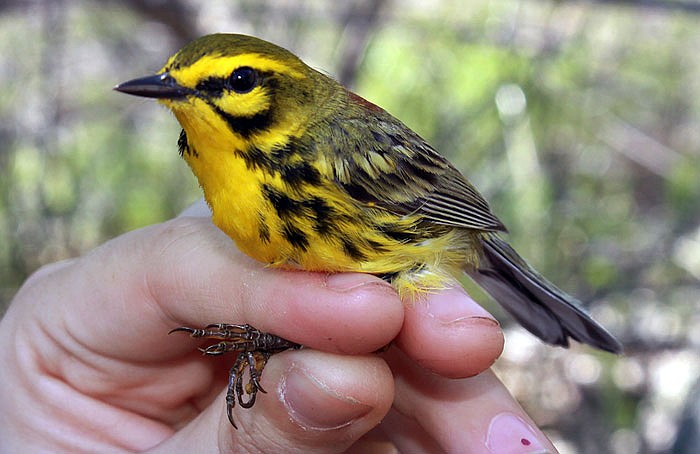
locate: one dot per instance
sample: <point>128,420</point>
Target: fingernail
<point>455,306</point>
<point>344,282</point>
<point>313,405</point>
<point>510,434</point>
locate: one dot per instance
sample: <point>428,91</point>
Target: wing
<point>379,160</point>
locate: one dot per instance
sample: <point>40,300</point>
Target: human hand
<point>88,365</point>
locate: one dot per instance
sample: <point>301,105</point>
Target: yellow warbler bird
<point>302,173</point>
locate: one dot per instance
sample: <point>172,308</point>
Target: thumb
<point>316,402</point>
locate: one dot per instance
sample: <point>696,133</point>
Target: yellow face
<point>233,84</point>
<point>248,99</point>
<point>249,93</point>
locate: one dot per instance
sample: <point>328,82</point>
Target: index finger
<point>476,415</point>
<point>448,333</point>
<point>122,298</point>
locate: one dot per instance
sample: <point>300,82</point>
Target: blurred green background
<point>579,121</point>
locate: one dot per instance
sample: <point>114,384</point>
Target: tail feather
<point>535,303</point>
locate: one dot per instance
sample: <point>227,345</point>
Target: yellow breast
<point>309,222</point>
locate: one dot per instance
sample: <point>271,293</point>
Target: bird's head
<point>236,83</point>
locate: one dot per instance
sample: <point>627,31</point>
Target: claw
<point>254,349</point>
<point>230,403</point>
<point>182,329</point>
<point>217,349</point>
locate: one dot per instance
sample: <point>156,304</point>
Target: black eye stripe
<point>242,80</point>
<point>212,86</point>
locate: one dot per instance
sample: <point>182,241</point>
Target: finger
<point>198,209</point>
<point>374,442</point>
<point>475,415</point>
<point>316,402</point>
<point>349,312</point>
<point>122,298</point>
<point>450,334</point>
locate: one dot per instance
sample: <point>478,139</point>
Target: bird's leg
<point>254,348</point>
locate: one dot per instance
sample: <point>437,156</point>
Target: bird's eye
<point>242,80</point>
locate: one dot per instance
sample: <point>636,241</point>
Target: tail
<point>537,304</point>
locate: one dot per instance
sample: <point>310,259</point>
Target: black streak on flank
<point>263,229</point>
<point>277,161</point>
<point>325,216</point>
<point>295,236</point>
<point>255,159</point>
<point>300,173</point>
<point>376,246</point>
<point>314,208</point>
<point>284,205</point>
<point>352,250</point>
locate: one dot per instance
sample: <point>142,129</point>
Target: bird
<point>303,173</point>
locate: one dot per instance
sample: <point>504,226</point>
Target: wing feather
<point>383,162</point>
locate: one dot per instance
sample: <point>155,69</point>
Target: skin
<point>88,366</point>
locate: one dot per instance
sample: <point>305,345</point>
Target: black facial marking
<point>246,126</point>
<point>212,86</point>
<point>241,81</point>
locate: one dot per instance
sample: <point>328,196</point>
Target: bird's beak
<point>157,86</point>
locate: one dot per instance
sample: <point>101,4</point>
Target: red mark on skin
<point>525,442</point>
